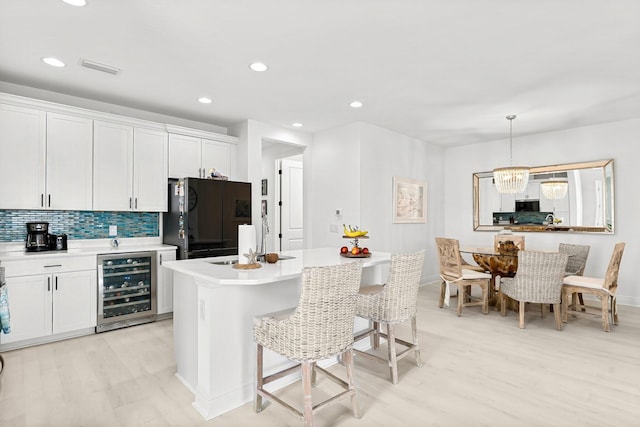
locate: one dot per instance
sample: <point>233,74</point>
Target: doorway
<point>282,209</point>
<point>290,205</point>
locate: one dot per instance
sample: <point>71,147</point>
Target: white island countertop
<point>213,310</point>
<point>211,269</point>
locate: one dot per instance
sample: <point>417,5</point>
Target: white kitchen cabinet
<point>130,168</point>
<point>30,308</point>
<point>69,162</point>
<point>546,205</point>
<point>190,156</point>
<point>150,170</point>
<point>508,202</point>
<point>74,294</point>
<point>532,192</point>
<point>216,155</point>
<point>22,157</point>
<point>165,281</point>
<point>45,298</point>
<point>35,155</point>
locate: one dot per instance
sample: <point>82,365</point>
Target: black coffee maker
<point>37,236</point>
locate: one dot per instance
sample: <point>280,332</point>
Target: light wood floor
<point>478,370</point>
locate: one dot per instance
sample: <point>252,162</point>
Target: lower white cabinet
<point>43,304</point>
<point>165,281</point>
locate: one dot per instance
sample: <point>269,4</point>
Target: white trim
<point>179,130</point>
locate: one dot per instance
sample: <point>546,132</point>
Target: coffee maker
<point>37,236</point>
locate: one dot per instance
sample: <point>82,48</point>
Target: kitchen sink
<point>226,262</point>
<point>235,260</point>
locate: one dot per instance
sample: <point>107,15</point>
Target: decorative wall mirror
<point>574,197</point>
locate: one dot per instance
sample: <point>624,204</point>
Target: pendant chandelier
<point>554,189</point>
<point>512,179</point>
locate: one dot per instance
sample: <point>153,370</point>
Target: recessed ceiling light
<point>54,62</point>
<point>76,2</point>
<point>258,66</point>
<point>204,100</point>
<point>355,104</point>
<point>296,125</point>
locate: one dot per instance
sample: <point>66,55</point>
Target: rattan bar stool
<point>392,303</point>
<point>320,327</point>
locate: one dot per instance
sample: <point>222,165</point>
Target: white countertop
<point>204,268</point>
<point>79,251</point>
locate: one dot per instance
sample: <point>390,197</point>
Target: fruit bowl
<point>360,255</point>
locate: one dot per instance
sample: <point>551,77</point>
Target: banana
<point>353,231</point>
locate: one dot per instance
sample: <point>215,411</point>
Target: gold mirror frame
<point>483,181</point>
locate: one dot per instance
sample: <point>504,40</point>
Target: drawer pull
<point>53,265</point>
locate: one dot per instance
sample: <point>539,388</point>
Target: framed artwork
<point>264,187</point>
<point>409,201</point>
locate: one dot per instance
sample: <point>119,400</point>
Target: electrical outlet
<point>113,230</point>
<point>333,228</point>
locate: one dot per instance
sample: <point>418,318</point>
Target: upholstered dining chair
<point>576,264</point>
<point>320,327</point>
<point>604,289</point>
<point>538,280</point>
<point>500,238</point>
<point>390,304</point>
<point>451,272</point>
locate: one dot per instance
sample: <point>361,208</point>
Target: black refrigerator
<point>204,214</point>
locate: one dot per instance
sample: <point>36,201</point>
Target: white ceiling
<point>443,71</point>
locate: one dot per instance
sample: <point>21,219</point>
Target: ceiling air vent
<point>110,69</point>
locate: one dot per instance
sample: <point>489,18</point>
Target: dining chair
<point>538,280</point>
<point>320,327</point>
<point>451,272</point>
<point>500,238</point>
<point>602,288</point>
<point>390,304</point>
<point>575,265</point>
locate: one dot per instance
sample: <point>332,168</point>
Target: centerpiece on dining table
<point>507,263</point>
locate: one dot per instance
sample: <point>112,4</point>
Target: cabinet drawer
<point>32,266</point>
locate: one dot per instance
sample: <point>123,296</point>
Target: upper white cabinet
<point>531,192</point>
<point>130,168</point>
<point>191,156</point>
<point>150,170</point>
<point>69,162</point>
<point>22,157</point>
<point>36,151</point>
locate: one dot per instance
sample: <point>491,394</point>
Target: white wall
<point>618,141</point>
<point>251,133</point>
<point>352,169</point>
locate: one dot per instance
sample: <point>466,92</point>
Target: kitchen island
<point>213,312</point>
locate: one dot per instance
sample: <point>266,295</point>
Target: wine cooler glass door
<point>127,289</point>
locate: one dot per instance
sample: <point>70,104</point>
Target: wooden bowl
<point>271,257</point>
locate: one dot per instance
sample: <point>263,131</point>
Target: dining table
<point>497,263</point>
<point>503,263</point>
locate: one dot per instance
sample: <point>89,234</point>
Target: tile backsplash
<point>79,224</point>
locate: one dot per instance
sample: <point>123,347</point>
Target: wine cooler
<point>126,290</point>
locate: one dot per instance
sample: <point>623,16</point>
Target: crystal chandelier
<point>554,189</point>
<point>512,179</point>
